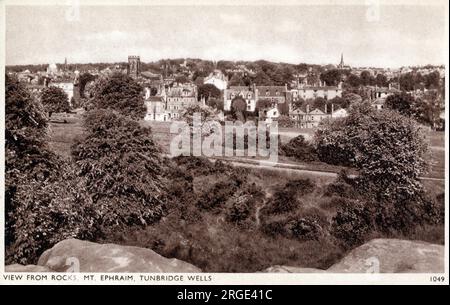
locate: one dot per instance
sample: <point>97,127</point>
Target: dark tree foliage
<point>299,149</point>
<point>208,91</point>
<point>54,99</point>
<point>388,149</point>
<point>331,77</point>
<point>287,199</point>
<point>84,79</point>
<point>123,168</point>
<point>401,102</point>
<point>121,93</point>
<point>44,203</point>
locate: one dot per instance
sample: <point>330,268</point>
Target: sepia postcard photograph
<point>224,142</point>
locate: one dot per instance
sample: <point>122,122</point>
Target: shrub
<point>299,149</point>
<point>286,199</point>
<point>352,223</point>
<point>244,202</point>
<point>217,195</point>
<point>239,210</point>
<point>305,228</point>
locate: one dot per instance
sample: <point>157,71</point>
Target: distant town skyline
<point>401,36</point>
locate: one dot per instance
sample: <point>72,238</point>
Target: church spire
<point>342,60</point>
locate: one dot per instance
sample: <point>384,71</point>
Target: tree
<point>54,99</point>
<point>432,80</point>
<point>44,203</point>
<point>85,78</point>
<point>331,77</point>
<point>215,103</point>
<point>353,81</point>
<point>338,102</point>
<point>298,103</point>
<point>387,148</point>
<point>123,170</point>
<point>352,99</point>
<point>208,91</point>
<point>381,80</point>
<point>236,80</point>
<point>401,102</point>
<point>319,103</point>
<point>407,81</point>
<point>238,108</point>
<point>366,78</point>
<point>262,79</point>
<point>182,79</point>
<point>121,93</point>
<point>427,109</point>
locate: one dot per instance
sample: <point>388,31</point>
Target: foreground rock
<point>84,256</point>
<point>383,256</point>
<point>27,268</point>
<point>393,256</point>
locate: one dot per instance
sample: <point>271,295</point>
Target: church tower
<point>134,66</point>
<point>341,64</point>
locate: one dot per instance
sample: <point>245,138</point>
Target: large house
<point>218,79</point>
<point>311,92</point>
<point>170,102</point>
<point>156,109</point>
<point>308,119</point>
<point>304,118</point>
<point>273,96</point>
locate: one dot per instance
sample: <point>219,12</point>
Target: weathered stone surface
<point>383,256</point>
<point>290,269</point>
<point>26,268</point>
<point>84,256</point>
<point>393,256</point>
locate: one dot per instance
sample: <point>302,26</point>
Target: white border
<point>228,278</point>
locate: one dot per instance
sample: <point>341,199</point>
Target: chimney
<point>326,108</point>
<point>390,86</point>
<point>332,109</point>
<point>307,108</point>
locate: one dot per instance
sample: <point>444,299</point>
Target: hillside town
<point>299,96</point>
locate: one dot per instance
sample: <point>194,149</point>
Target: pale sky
<point>402,35</point>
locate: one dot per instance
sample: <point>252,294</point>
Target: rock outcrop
<point>393,256</point>
<point>377,255</point>
<point>84,256</point>
<point>383,256</point>
<point>26,268</point>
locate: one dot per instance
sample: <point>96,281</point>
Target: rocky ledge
<point>377,255</point>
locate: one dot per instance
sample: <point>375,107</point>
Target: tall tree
<point>121,93</point>
<point>401,102</point>
<point>54,99</point>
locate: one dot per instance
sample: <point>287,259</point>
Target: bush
<point>244,203</point>
<point>217,195</point>
<point>123,170</point>
<point>286,199</point>
<point>352,224</point>
<point>299,149</point>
